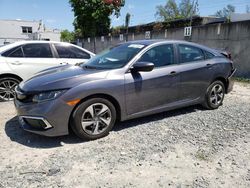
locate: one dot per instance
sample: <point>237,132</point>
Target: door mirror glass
<point>142,67</point>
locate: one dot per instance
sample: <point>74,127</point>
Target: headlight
<point>47,95</point>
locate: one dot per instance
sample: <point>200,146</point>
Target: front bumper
<point>50,118</point>
<point>230,82</point>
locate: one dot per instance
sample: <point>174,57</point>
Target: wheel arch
<point>223,80</point>
<point>100,95</point>
<point>11,75</point>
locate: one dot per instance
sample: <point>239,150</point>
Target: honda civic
<point>130,80</point>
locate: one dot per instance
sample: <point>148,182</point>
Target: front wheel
<point>214,95</point>
<point>93,119</point>
<point>7,88</point>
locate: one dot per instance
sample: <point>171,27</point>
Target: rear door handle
<point>16,63</point>
<point>209,65</point>
<point>173,73</point>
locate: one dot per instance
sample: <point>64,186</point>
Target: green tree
<point>92,17</point>
<point>171,11</point>
<point>225,12</point>
<point>67,36</point>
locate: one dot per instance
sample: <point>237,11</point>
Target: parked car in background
<point>21,60</point>
<point>130,80</point>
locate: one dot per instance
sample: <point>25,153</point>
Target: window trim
<point>179,54</point>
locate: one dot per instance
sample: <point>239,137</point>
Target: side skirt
<point>172,106</point>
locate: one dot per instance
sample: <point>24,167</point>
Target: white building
<point>15,30</point>
<point>237,17</point>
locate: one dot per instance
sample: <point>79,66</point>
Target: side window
<point>16,53</point>
<point>208,55</point>
<point>79,54</point>
<point>190,54</point>
<point>67,51</point>
<point>160,55</point>
<point>13,52</point>
<point>37,50</point>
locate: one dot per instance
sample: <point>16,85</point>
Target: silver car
<point>131,80</point>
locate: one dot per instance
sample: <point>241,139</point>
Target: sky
<point>57,14</point>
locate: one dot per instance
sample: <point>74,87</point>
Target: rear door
<point>69,54</point>
<point>28,59</point>
<point>196,71</point>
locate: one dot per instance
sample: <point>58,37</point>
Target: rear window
<point>68,51</point>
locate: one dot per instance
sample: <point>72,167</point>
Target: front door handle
<point>64,63</point>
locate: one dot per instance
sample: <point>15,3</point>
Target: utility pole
<point>127,21</point>
<point>193,10</point>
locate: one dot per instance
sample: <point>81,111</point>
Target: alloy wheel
<point>96,119</point>
<point>217,95</point>
<point>7,89</point>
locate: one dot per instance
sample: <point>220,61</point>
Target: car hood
<point>61,78</point>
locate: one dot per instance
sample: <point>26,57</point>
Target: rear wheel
<point>215,95</point>
<point>7,88</point>
<point>93,119</point>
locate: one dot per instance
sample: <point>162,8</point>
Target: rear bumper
<point>230,82</point>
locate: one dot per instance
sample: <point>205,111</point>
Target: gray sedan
<point>130,80</point>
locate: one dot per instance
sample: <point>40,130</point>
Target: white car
<point>21,60</point>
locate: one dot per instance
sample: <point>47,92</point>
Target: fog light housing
<point>35,122</point>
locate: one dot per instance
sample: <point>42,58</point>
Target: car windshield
<point>114,58</point>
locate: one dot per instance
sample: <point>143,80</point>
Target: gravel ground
<point>190,147</point>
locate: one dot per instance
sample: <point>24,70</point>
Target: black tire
<point>214,96</point>
<point>9,83</point>
<point>82,110</point>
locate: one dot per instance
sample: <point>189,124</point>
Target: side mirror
<point>142,67</point>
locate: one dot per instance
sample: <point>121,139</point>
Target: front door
<point>158,88</point>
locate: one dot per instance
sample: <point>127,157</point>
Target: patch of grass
<point>243,80</point>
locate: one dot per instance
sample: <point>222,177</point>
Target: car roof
<point>149,42</point>
<point>159,41</point>
<point>12,45</point>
